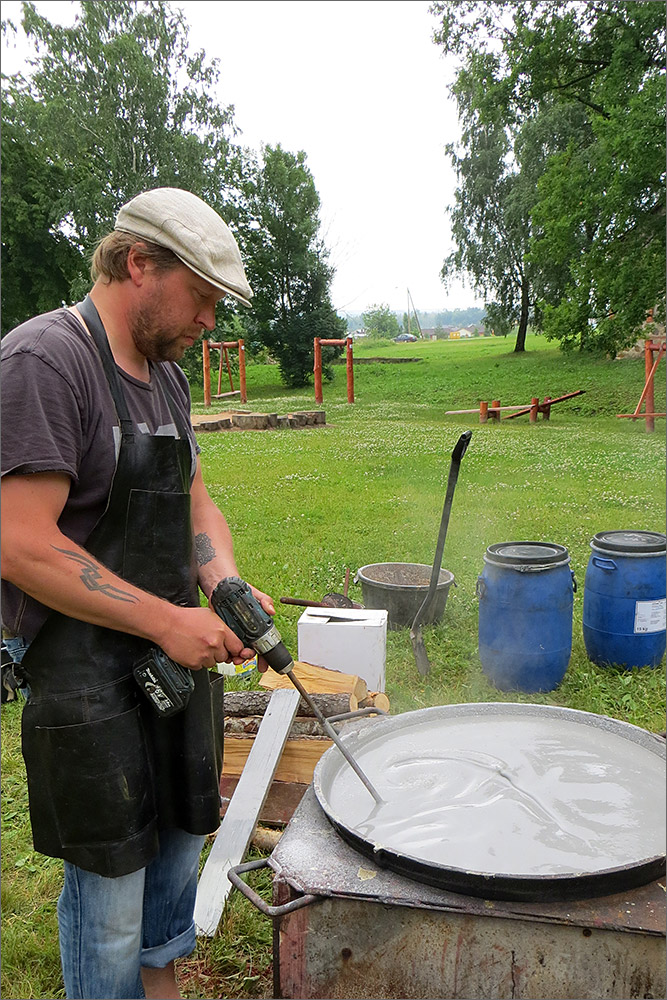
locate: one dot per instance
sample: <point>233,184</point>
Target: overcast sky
<point>361,89</point>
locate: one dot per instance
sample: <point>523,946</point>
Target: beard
<point>158,339</point>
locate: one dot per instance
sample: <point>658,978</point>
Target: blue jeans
<point>16,646</point>
<point>110,927</point>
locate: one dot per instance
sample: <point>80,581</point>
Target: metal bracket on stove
<point>233,874</point>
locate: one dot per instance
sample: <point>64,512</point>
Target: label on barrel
<point>650,616</point>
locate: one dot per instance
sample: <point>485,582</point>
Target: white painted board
<point>233,836</point>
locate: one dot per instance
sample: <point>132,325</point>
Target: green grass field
<point>304,505</point>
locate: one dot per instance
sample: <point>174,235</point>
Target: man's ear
<point>137,264</point>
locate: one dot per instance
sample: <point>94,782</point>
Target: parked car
<point>404,338</point>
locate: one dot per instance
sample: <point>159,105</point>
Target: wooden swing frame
<point>224,347</point>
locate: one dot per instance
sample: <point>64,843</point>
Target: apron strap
<point>98,333</point>
<point>177,416</point>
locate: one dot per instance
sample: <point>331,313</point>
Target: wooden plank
<point>282,800</point>
<point>297,763</point>
<point>236,829</point>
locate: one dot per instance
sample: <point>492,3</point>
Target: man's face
<point>176,308</point>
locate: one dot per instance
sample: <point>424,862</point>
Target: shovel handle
<point>461,446</point>
<point>302,604</point>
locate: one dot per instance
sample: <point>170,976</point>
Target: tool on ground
<point>332,600</point>
<point>235,603</point>
<point>418,647</point>
<point>328,601</point>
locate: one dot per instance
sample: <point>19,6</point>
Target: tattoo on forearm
<point>204,549</point>
<point>91,577</point>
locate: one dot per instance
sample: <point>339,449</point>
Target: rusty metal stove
<point>367,932</point>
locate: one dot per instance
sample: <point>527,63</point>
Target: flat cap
<point>191,229</point>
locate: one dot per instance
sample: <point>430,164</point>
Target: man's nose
<point>206,316</point>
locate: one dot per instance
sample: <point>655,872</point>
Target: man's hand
<point>196,638</point>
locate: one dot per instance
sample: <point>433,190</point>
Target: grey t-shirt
<point>58,416</point>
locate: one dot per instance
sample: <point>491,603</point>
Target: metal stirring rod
<point>331,732</point>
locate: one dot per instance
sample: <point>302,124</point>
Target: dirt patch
<point>198,418</point>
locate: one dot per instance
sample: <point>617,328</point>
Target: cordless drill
<point>168,685</point>
<point>233,601</point>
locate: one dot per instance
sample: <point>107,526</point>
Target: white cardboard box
<point>351,640</point>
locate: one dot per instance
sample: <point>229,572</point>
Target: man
<point>107,532</point>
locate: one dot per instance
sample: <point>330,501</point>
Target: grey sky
<point>361,88</point>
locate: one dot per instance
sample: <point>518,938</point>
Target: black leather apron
<point>105,772</point>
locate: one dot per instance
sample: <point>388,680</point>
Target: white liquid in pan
<point>511,796</point>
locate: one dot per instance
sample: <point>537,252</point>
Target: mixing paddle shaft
<point>331,732</point>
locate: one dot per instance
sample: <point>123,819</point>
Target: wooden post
<point>649,398</point>
<point>317,369</point>
<point>546,409</point>
<point>534,404</point>
<point>242,385</point>
<point>229,369</point>
<point>494,411</point>
<point>220,371</point>
<point>206,359</point>
<point>350,372</point>
<point>483,413</point>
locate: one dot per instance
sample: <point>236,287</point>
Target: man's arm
<point>44,563</point>
<point>213,543</point>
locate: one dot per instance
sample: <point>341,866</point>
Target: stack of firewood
<point>334,693</point>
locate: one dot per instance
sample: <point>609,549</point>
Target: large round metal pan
<point>504,801</point>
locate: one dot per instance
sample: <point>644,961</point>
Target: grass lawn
<point>304,505</point>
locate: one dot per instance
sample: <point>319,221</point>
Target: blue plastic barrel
<point>624,599</point>
<point>525,615</point>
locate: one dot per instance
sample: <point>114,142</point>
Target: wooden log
<point>297,762</point>
<point>249,725</point>
<point>245,703</point>
<point>380,700</point>
<point>317,680</point>
<point>483,412</point>
<point>265,839</point>
<point>282,800</point>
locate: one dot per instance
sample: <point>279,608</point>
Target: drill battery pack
<point>166,684</point>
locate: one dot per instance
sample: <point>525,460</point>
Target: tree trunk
<point>523,321</point>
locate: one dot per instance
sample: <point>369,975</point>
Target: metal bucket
<point>401,588</point>
<point>504,801</point>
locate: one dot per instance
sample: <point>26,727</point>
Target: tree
<point>380,322</point>
<point>596,243</point>
<point>287,265</point>
<point>113,106</point>
<point>491,218</point>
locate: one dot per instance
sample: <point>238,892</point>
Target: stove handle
<point>234,874</point>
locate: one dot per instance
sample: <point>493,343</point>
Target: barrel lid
<point>636,542</point>
<point>526,553</point>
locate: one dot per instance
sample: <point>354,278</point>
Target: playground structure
<point>317,367</point>
<point>224,347</point>
<point>493,411</point>
<point>652,346</point>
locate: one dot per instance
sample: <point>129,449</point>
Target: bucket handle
<point>480,589</point>
<point>574,582</point>
<point>234,876</point>
<point>602,563</point>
